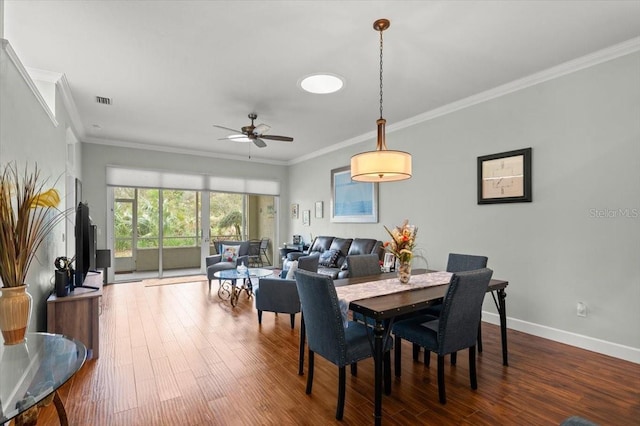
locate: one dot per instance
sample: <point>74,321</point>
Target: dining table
<point>383,309</point>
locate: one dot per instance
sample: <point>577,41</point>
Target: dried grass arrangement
<point>28,213</point>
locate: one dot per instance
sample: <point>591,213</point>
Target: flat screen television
<point>85,245</point>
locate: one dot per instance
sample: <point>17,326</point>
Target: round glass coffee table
<point>228,282</point>
<point>31,373</point>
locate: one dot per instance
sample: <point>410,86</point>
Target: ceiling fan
<point>254,134</point>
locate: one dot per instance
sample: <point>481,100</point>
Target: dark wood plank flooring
<point>176,355</point>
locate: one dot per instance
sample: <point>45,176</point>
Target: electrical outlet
<point>581,309</point>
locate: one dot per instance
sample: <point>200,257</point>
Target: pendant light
<point>381,165</point>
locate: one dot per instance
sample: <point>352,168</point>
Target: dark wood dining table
<point>383,309</point>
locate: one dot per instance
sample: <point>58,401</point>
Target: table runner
<point>349,293</point>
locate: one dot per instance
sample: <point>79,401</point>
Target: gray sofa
<point>333,252</point>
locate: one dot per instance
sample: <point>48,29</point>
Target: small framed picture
<point>319,209</point>
<point>389,262</point>
<point>294,211</point>
<point>505,177</point>
<point>306,217</point>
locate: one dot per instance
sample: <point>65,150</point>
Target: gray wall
<point>28,136</point>
<point>584,129</point>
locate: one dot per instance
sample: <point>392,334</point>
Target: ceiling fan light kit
<point>252,133</point>
<point>381,165</point>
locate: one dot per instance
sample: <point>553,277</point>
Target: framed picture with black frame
<point>505,177</point>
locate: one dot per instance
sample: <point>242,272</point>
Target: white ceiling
<point>175,68</point>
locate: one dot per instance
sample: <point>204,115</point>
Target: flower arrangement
<point>28,214</point>
<point>403,241</point>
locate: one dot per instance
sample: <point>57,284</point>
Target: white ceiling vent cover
<point>103,101</point>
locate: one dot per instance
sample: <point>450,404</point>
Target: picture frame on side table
<point>352,201</point>
<point>294,211</point>
<point>319,209</point>
<point>505,177</point>
<point>306,217</point>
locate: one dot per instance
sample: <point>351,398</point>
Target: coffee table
<point>228,282</point>
<point>32,372</point>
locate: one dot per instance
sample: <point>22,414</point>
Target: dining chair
<point>264,246</point>
<point>456,263</point>
<point>363,265</point>
<point>455,329</point>
<point>326,332</point>
<point>255,256</point>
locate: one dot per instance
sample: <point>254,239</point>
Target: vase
<point>404,271</point>
<point>15,312</point>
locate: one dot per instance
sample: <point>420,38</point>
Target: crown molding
<point>174,150</point>
<point>70,106</point>
<point>587,61</point>
<point>13,57</point>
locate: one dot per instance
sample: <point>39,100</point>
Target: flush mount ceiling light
<point>381,165</point>
<point>322,84</point>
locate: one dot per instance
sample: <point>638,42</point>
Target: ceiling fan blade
<point>261,128</point>
<point>227,128</point>
<point>277,138</point>
<point>259,143</point>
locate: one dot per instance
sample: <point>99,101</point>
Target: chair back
<point>277,295</point>
<point>264,243</point>
<point>465,262</point>
<point>309,263</point>
<point>461,310</point>
<point>322,317</point>
<point>254,247</point>
<point>363,265</point>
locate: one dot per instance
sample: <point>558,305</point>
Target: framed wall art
<point>505,177</point>
<point>352,201</point>
<point>319,209</point>
<point>294,211</point>
<point>306,217</point>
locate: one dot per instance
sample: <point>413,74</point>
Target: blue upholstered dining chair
<point>456,327</point>
<point>363,265</point>
<point>456,263</point>
<point>326,332</point>
<point>281,295</point>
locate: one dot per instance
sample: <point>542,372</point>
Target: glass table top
<point>234,274</point>
<point>33,370</point>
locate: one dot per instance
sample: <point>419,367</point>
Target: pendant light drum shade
<point>381,166</point>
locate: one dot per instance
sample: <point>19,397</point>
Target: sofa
<point>333,252</point>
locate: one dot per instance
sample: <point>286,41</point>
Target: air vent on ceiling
<point>104,101</point>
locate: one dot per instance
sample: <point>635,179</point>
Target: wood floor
<point>175,355</point>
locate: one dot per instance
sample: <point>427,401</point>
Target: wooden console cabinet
<point>76,315</point>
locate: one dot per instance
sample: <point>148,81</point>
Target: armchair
<point>230,255</point>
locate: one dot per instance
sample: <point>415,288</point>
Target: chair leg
<point>472,368</point>
<point>480,336</point>
<point>427,357</point>
<point>310,373</point>
<point>293,320</point>
<point>303,332</point>
<point>341,391</point>
<point>259,317</point>
<point>416,351</point>
<point>398,355</point>
<point>454,358</point>
<point>387,372</point>
<point>441,391</point>
<point>209,286</point>
<point>354,369</point>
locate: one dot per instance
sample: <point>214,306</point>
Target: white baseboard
<point>585,342</point>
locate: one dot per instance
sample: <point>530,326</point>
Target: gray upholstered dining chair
<point>455,263</point>
<point>455,329</point>
<point>281,295</point>
<point>363,265</point>
<point>326,332</point>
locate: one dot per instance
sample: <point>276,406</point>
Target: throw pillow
<point>291,273</point>
<point>328,258</point>
<point>229,253</point>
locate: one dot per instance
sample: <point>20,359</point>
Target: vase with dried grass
<point>28,213</point>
